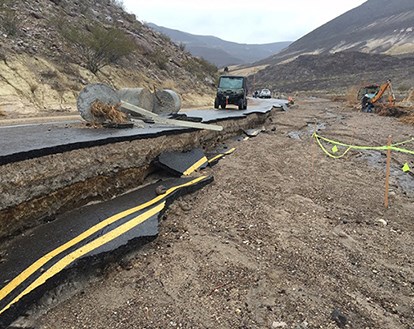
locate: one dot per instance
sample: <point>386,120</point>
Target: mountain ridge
<point>336,72</point>
<point>376,26</point>
<point>218,51</point>
<point>368,44</point>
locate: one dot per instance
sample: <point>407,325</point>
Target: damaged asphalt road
<point>284,237</point>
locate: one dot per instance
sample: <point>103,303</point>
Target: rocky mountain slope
<point>220,52</point>
<point>369,44</point>
<point>48,48</point>
<point>336,73</point>
<point>377,26</point>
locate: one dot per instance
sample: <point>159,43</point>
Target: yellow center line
<point>221,155</point>
<point>70,258</point>
<point>215,158</point>
<point>195,166</point>
<point>110,220</point>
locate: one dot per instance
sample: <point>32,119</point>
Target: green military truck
<point>231,90</point>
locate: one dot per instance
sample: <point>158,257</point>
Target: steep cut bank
<point>46,50</point>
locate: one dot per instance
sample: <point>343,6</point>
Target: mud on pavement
<point>285,237</point>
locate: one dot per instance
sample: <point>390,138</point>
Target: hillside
<point>369,44</point>
<point>49,49</point>
<point>335,73</point>
<point>377,26</point>
<point>220,52</point>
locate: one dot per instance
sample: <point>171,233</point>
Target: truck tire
<point>216,103</point>
<point>240,104</point>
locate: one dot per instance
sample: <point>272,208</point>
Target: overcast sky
<point>257,21</point>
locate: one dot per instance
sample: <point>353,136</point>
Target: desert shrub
<point>49,74</point>
<point>192,66</point>
<point>403,87</point>
<point>181,46</point>
<point>169,84</point>
<point>118,3</point>
<point>3,56</point>
<point>207,66</point>
<point>136,27</point>
<point>165,37</point>
<point>200,67</point>
<point>159,58</point>
<point>56,85</point>
<point>351,95</point>
<point>9,21</point>
<point>99,47</point>
<point>409,118</point>
<point>33,87</point>
<point>338,98</point>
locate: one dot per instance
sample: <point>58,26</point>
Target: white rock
<point>382,221</point>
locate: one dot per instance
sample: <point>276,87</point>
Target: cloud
<point>260,21</point>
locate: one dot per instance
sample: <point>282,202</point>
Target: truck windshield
<point>231,83</point>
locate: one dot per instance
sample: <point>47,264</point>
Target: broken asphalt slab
<point>36,262</point>
<point>182,163</point>
<point>25,142</point>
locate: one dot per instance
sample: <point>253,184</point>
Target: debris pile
<point>394,111</point>
<point>409,118</point>
<point>108,113</point>
<point>409,100</point>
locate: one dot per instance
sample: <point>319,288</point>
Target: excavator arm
<point>381,92</point>
<point>368,101</point>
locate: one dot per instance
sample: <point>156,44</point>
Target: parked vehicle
<point>265,93</point>
<point>231,90</point>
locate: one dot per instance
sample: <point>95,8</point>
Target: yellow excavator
<point>373,94</point>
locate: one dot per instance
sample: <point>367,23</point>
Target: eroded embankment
<point>36,190</point>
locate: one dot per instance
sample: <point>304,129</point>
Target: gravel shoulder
<point>285,237</point>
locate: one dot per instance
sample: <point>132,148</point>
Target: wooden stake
<point>313,146</point>
<point>387,173</point>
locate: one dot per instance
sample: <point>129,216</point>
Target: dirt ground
<point>285,237</point>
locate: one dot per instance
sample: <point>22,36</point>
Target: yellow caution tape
<point>393,147</point>
<point>406,167</point>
